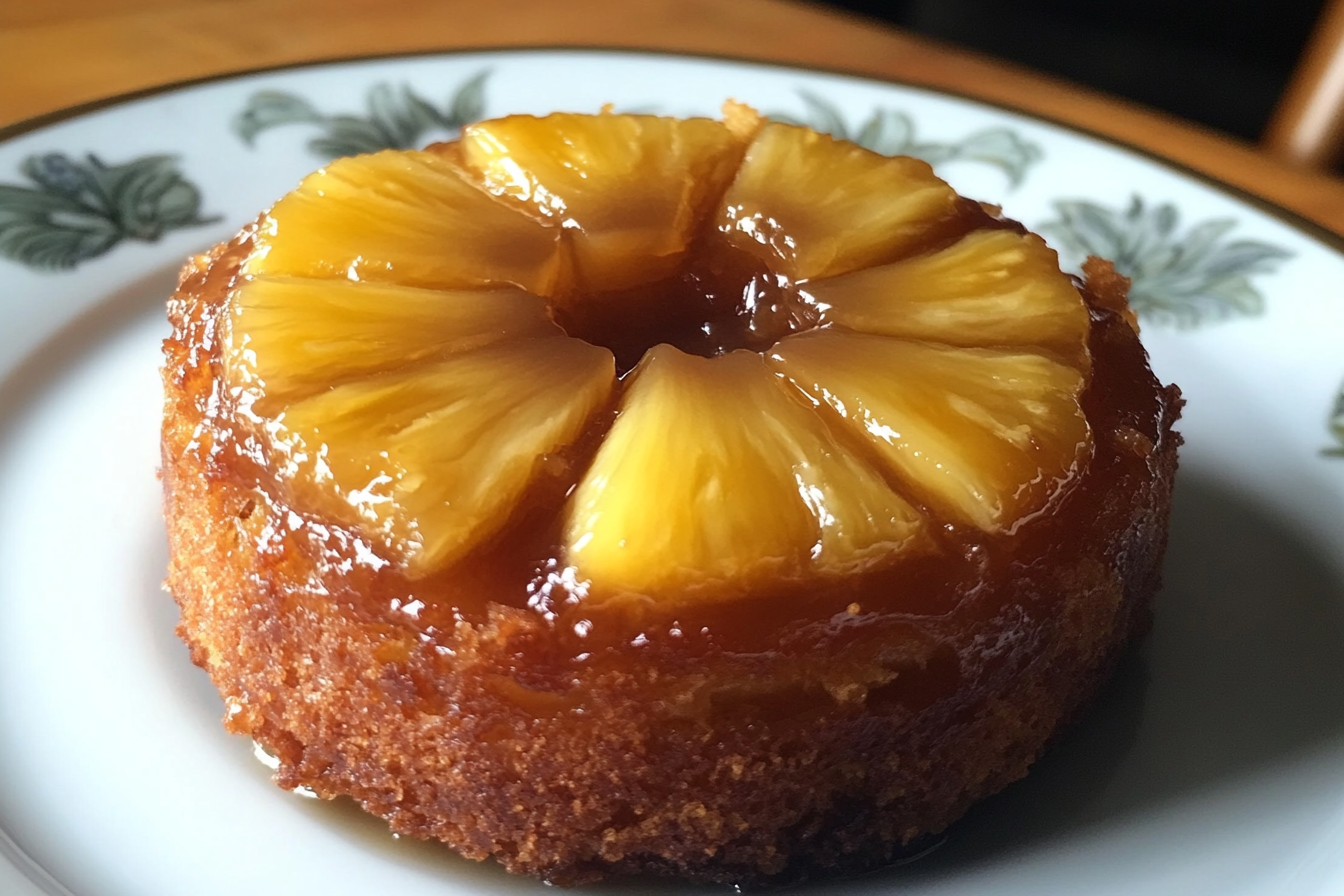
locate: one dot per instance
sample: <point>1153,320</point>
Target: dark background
<point>1221,63</point>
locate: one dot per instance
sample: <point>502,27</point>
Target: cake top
<point>680,359</point>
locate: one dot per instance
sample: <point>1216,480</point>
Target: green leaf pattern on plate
<point>892,133</point>
<point>1184,279</point>
<point>76,210</point>
<point>397,118</point>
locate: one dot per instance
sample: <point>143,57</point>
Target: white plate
<point>1215,764</point>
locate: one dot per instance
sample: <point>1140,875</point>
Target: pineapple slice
<point>432,459</point>
<point>286,338</point>
<point>393,332</point>
<point>985,436</point>
<point>409,218</point>
<point>813,206</point>
<point>630,190</point>
<point>717,477</point>
<point>992,287</point>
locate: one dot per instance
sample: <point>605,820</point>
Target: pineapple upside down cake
<point>617,494</point>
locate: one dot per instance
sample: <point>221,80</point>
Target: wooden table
<point>59,53</point>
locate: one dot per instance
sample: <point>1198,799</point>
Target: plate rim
<point>1327,239</point>
<point>1331,239</point>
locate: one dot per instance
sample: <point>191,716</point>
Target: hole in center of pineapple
<point>722,299</point>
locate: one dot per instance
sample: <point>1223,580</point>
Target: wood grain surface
<point>60,53</point>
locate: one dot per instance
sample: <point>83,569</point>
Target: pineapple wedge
<point>991,288</point>
<point>432,459</point>
<point>716,477</point>
<point>813,206</point>
<point>394,333</point>
<point>286,338</point>
<point>409,218</point>
<point>986,436</point>
<point>630,190</point>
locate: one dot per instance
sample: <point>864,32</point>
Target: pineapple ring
<point>455,258</point>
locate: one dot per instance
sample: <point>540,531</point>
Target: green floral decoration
<point>76,210</point>
<point>892,133</point>
<point>1184,279</point>
<point>1336,427</point>
<point>397,118</point>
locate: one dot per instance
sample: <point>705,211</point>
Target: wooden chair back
<point>1307,127</point>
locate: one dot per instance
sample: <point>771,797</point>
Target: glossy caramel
<point>972,579</point>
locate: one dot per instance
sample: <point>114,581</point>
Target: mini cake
<point>615,494</point>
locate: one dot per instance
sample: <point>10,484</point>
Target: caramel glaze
<point>920,651</point>
<point>974,578</point>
